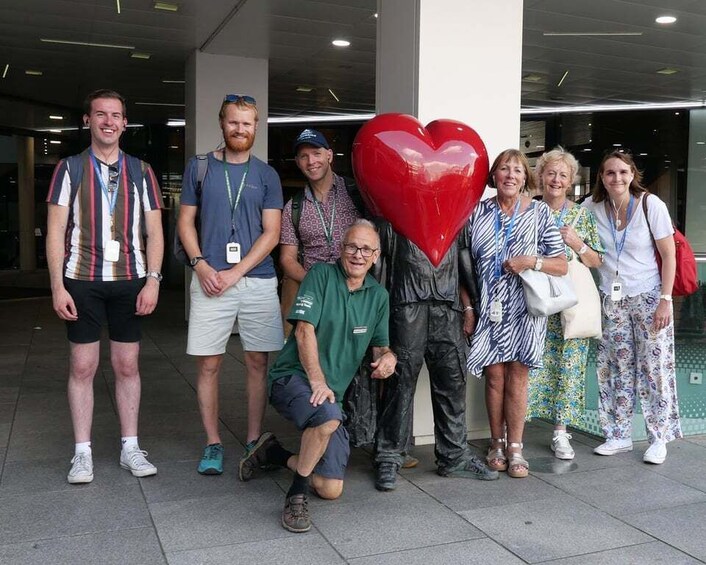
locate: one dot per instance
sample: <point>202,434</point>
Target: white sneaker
<point>561,447</point>
<point>613,447</point>
<point>656,453</point>
<point>133,459</point>
<point>81,469</point>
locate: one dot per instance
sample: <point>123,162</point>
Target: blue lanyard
<point>500,251</point>
<point>560,220</point>
<point>234,206</point>
<point>620,244</point>
<point>112,198</point>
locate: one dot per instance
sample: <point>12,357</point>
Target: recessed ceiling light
<point>617,145</point>
<point>532,77</point>
<point>333,94</point>
<point>165,81</point>
<point>86,43</point>
<point>55,142</point>
<point>665,20</point>
<point>7,68</point>
<point>667,71</point>
<point>117,5</point>
<point>139,55</point>
<point>33,73</point>
<point>56,117</point>
<point>341,42</point>
<point>54,131</point>
<point>642,154</point>
<point>166,6</point>
<point>176,123</point>
<point>375,15</point>
<point>304,89</point>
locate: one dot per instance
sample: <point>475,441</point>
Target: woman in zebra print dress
<point>507,341</point>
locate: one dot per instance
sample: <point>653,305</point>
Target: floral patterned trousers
<point>634,360</point>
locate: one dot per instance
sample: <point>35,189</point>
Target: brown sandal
<point>518,468</point>
<point>496,459</point>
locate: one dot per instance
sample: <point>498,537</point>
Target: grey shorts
<point>290,397</point>
<point>255,305</point>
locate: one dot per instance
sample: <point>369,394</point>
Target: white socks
<point>129,442</point>
<point>83,447</point>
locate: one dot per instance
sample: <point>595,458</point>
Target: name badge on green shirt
<point>360,330</point>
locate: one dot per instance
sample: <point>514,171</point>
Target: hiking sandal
<point>517,468</point>
<point>496,458</point>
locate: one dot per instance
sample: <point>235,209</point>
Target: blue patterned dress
<point>518,336</point>
<point>556,391</point>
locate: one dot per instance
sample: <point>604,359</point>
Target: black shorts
<point>98,302</point>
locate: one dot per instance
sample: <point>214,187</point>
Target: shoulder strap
<point>647,218</point>
<point>355,196</point>
<point>201,170</point>
<point>297,204</point>
<point>536,228</point>
<point>136,173</point>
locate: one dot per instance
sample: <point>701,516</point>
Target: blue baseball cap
<point>311,137</point>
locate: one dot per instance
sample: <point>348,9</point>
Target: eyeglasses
<point>113,174</point>
<point>239,97</point>
<point>350,249</point>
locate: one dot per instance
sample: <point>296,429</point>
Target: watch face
<point>194,261</point>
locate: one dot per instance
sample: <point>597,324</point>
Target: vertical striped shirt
<point>90,226</point>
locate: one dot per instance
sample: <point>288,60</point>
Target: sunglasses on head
<point>238,97</point>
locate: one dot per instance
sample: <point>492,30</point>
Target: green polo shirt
<point>345,322</point>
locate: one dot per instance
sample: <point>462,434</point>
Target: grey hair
<point>362,223</point>
<point>557,154</point>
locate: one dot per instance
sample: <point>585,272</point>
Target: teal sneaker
<point>212,461</point>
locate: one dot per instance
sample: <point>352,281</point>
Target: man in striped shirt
<point>104,252</point>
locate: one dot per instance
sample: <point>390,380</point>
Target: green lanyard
<point>234,206</point>
<point>328,232</point>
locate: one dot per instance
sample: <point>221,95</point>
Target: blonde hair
<point>561,155</point>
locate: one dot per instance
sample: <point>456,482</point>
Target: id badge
<point>616,291</point>
<point>232,253</point>
<point>496,311</point>
<point>111,251</point>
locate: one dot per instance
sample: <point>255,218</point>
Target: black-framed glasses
<point>113,177</point>
<point>238,98</point>
<point>350,249</point>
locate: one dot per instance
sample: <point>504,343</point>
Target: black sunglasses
<point>238,98</point>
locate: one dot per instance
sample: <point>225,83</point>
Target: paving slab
<point>655,552</point>
<point>474,552</point>
<point>559,526</point>
<point>220,520</point>
<point>393,521</point>
<point>626,490</point>
<point>309,549</point>
<point>681,527</point>
<point>137,546</point>
<point>79,511</point>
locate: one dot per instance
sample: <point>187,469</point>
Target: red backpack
<point>686,281</point>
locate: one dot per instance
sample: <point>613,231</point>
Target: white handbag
<point>583,320</point>
<point>546,294</point>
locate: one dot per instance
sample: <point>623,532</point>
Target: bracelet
<point>583,249</point>
<point>667,297</point>
<point>468,308</point>
<point>538,263</point>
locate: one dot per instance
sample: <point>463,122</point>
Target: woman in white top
<point>636,352</point>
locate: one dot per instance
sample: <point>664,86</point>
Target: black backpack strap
<point>201,170</point>
<point>136,174</point>
<point>356,197</point>
<point>297,205</point>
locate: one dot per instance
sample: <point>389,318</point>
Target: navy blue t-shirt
<point>262,191</point>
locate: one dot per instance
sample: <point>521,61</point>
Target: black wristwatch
<point>195,261</point>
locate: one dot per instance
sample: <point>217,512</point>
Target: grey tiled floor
<point>592,510</point>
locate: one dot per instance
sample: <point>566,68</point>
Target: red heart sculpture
<point>424,181</point>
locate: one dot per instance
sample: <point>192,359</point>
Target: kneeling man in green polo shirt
<point>340,310</point>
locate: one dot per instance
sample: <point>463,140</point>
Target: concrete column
<point>459,60</point>
<point>25,191</point>
<point>208,79</point>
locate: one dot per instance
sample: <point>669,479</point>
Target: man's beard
<point>239,144</point>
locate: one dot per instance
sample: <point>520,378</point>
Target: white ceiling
<point>295,35</point>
